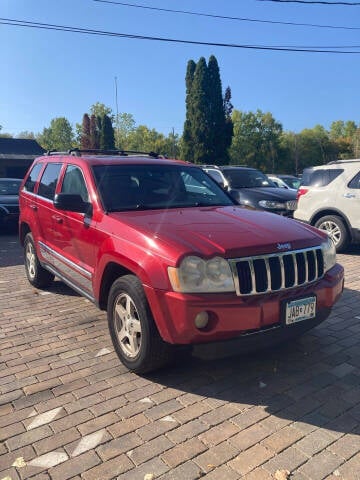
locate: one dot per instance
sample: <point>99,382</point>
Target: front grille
<point>291,205</point>
<point>271,273</point>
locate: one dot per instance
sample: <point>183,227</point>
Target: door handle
<point>33,207</point>
<point>57,219</point>
<point>349,195</point>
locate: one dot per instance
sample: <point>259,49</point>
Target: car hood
<point>9,199</point>
<point>226,231</point>
<point>268,193</point>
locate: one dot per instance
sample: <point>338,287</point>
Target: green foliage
<point>59,136</point>
<point>100,110</point>
<point>107,139</point>
<point>256,140</point>
<point>124,126</point>
<point>207,130</point>
<point>26,134</point>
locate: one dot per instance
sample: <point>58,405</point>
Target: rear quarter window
<point>319,178</point>
<point>29,185</point>
<point>355,182</point>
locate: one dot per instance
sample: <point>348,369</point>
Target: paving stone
<point>321,465</point>
<point>282,439</point>
<point>183,452</point>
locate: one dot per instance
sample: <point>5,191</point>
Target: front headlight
<point>271,204</point>
<point>197,275</point>
<point>329,254</point>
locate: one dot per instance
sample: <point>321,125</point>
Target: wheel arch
<point>332,211</point>
<point>111,272</point>
<point>23,231</point>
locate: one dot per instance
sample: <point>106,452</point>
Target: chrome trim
<point>65,260</point>
<point>280,256</point>
<point>70,283</point>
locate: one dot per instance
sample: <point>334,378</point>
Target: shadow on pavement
<point>313,380</point>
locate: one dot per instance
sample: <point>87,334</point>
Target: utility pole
<point>117,114</point>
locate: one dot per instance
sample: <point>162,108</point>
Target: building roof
<point>20,146</point>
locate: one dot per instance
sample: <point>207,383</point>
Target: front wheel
<point>132,328</point>
<point>336,229</point>
<point>37,275</point>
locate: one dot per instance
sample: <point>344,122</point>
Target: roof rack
<point>350,160</point>
<point>79,151</point>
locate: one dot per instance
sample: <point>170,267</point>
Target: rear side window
<point>319,178</point>
<point>33,176</point>
<point>49,180</point>
<point>355,182</point>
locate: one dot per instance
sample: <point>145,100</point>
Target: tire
<point>37,275</point>
<point>132,328</point>
<point>336,229</point>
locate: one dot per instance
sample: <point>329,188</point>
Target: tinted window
<point>49,180</point>
<point>319,178</point>
<point>355,182</point>
<point>74,182</point>
<point>9,187</point>
<point>31,180</point>
<point>239,178</point>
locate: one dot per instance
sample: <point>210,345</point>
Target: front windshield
<point>9,187</point>
<point>143,187</point>
<point>242,178</point>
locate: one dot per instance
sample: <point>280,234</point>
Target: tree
<point>256,140</point>
<point>107,139</point>
<point>85,132</point>
<point>94,132</point>
<point>125,124</point>
<point>26,134</point>
<point>187,141</point>
<point>59,136</point>
<point>100,110</point>
<point>207,131</point>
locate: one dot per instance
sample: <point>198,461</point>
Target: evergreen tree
<point>107,138</point>
<point>207,128</point>
<point>85,133</point>
<point>187,143</point>
<point>94,133</point>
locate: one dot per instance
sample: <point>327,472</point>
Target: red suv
<point>170,256</point>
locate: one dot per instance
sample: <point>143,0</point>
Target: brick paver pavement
<point>70,410</point>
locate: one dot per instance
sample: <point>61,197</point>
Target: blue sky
<point>47,74</point>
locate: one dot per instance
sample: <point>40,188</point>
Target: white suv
<point>329,199</point>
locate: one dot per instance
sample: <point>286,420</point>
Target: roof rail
<point>79,151</point>
<point>55,152</point>
<point>344,160</point>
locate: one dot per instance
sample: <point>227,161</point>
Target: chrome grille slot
<point>274,272</point>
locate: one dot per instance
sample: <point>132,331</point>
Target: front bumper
<point>234,316</point>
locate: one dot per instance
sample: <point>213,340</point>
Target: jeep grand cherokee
<point>170,256</point>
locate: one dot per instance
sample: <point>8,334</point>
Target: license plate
<point>299,310</point>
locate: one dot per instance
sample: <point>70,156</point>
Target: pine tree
<point>94,133</point>
<point>187,150</point>
<point>107,138</point>
<point>85,141</point>
<point>199,114</point>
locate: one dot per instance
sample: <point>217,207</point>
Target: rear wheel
<point>336,229</point>
<point>37,275</point>
<point>132,328</point>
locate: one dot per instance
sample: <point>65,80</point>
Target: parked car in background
<point>9,201</point>
<point>215,173</point>
<point>171,256</point>
<point>285,181</point>
<point>329,199</point>
<point>252,188</point>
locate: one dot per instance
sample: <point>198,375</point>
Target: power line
<point>223,17</point>
<point>310,2</point>
<point>86,31</point>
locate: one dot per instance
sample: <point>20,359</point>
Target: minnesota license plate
<point>299,310</point>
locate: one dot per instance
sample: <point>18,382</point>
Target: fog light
<point>201,320</point>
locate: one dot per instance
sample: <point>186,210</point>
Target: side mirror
<point>72,203</point>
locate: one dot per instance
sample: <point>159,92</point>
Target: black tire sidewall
<point>130,285</point>
<point>344,240</point>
